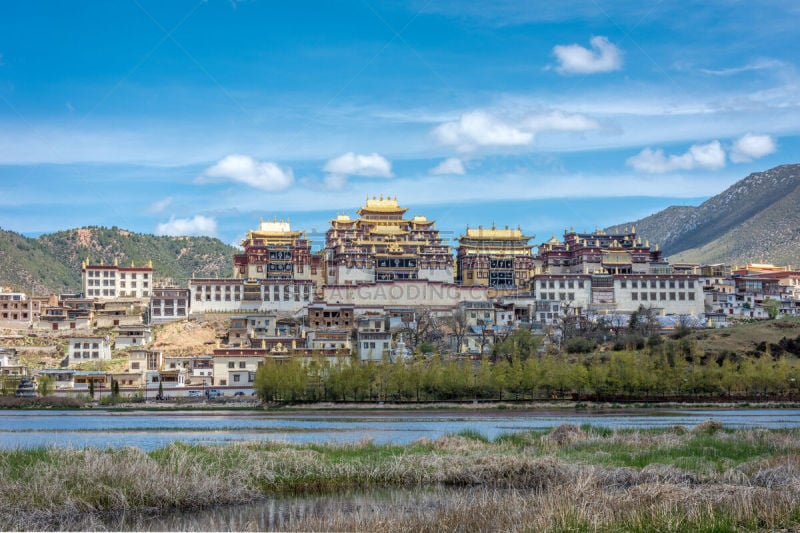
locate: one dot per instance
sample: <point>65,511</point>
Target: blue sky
<point>203,117</point>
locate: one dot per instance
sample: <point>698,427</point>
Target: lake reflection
<point>153,429</point>
<point>291,513</point>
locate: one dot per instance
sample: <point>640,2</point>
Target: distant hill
<point>755,220</point>
<point>52,262</point>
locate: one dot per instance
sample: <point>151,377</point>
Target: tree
<point>644,321</point>
<point>772,307</point>
<point>422,327</point>
<point>458,324</point>
<point>91,388</point>
<point>616,324</point>
<point>521,344</point>
<point>160,390</point>
<point>44,385</point>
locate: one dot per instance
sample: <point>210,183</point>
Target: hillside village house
<point>85,349</point>
<point>114,281</point>
<point>10,364</point>
<point>373,338</point>
<point>169,303</point>
<point>16,310</point>
<point>127,336</point>
<point>335,316</point>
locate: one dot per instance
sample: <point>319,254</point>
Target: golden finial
<point>133,265</point>
<point>116,262</point>
<point>263,344</point>
<point>150,263</point>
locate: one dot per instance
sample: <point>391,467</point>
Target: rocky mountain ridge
<point>757,219</point>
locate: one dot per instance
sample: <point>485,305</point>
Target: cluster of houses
<point>378,277</point>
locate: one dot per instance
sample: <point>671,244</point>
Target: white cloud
<point>160,205</point>
<point>352,164</point>
<point>751,146</point>
<point>179,227</point>
<point>560,121</point>
<point>335,182</point>
<point>759,64</point>
<point>263,175</point>
<point>451,165</point>
<point>575,59</point>
<point>480,128</point>
<point>709,156</point>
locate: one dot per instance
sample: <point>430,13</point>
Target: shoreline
<point>511,406</point>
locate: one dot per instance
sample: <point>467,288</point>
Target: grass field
<point>572,478</point>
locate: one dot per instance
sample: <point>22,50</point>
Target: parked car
<point>238,393</point>
<point>195,393</point>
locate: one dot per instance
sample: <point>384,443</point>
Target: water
<point>289,513</point>
<point>153,429</point>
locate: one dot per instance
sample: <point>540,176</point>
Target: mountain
<point>756,220</point>
<point>52,262</point>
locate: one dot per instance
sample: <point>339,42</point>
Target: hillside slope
<point>757,219</point>
<point>52,262</point>
<point>28,266</point>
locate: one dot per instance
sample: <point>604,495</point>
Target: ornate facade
<point>274,252</point>
<point>600,253</point>
<point>497,258</point>
<point>383,246</point>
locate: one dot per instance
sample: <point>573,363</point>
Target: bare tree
<point>458,326</point>
<point>420,327</point>
<point>644,321</point>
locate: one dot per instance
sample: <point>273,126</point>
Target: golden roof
<point>482,233</point>
<point>273,229</point>
<point>388,205</point>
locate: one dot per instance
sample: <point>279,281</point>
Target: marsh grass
<point>473,434</point>
<point>571,478</point>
